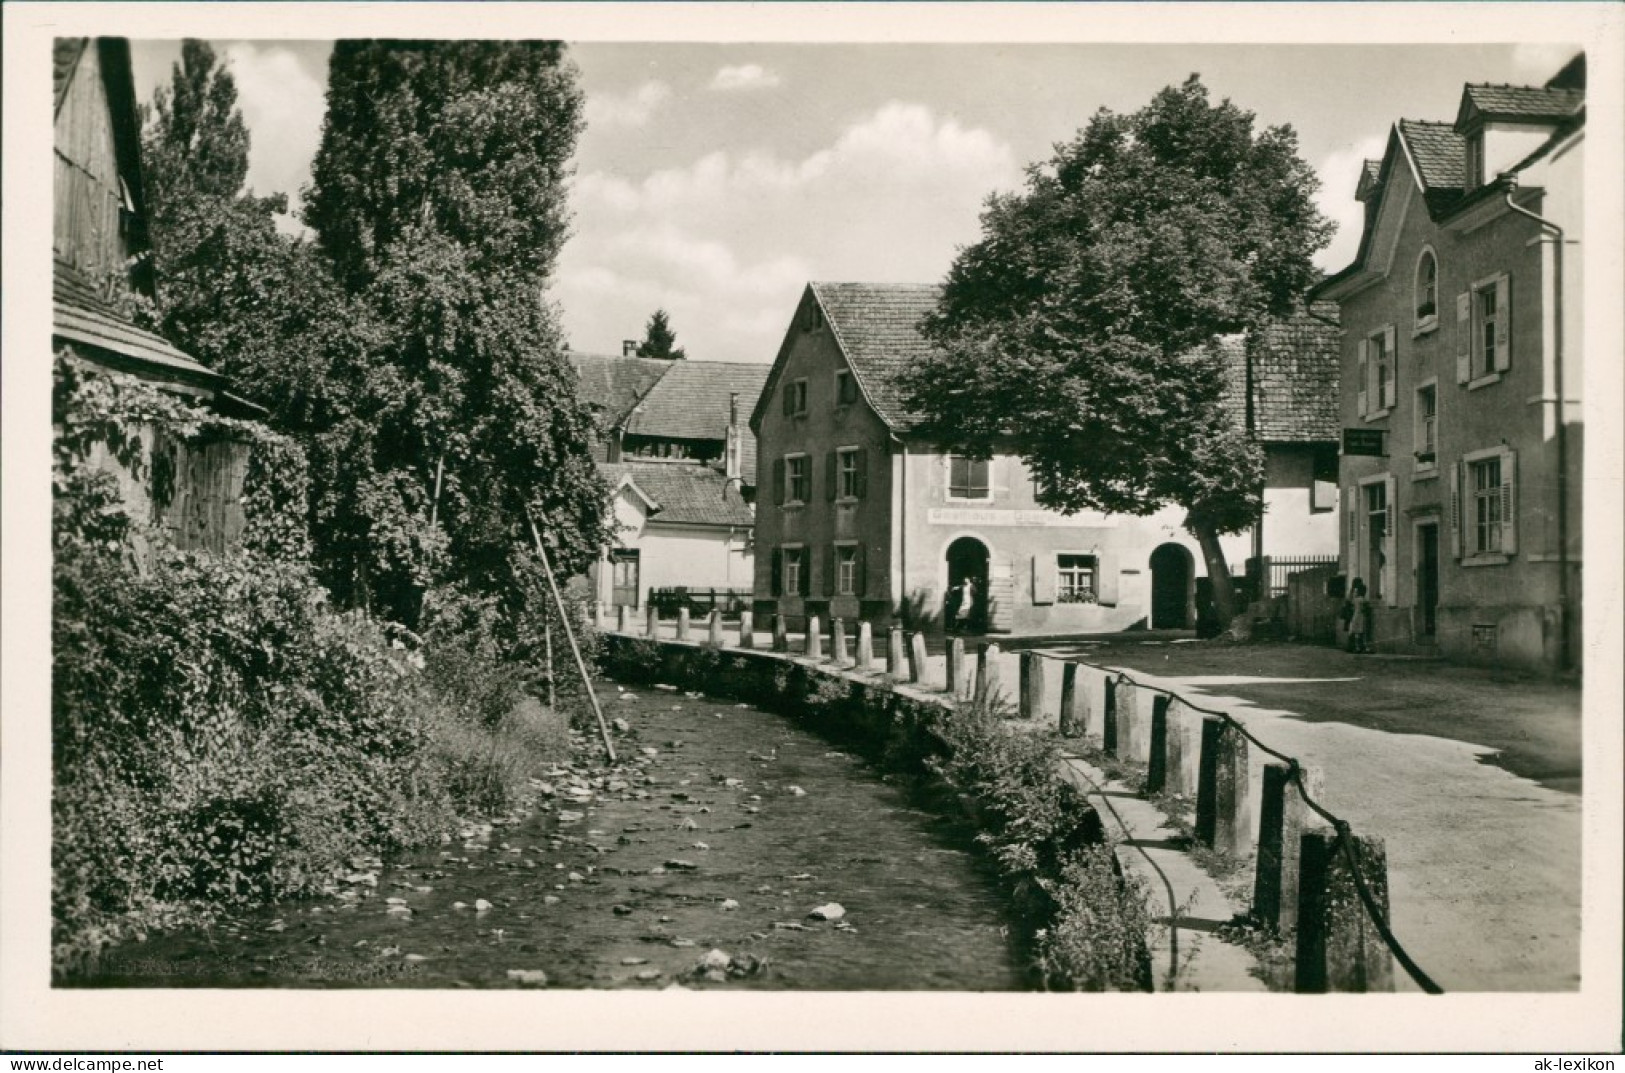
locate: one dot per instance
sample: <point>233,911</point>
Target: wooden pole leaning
<point>570,635</point>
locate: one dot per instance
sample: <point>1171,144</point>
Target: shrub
<point>1097,938</point>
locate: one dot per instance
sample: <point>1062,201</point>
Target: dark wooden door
<point>624,563</point>
<point>1427,577</point>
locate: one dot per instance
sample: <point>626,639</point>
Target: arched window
<point>1427,288</point>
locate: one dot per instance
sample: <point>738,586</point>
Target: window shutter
<point>860,570</point>
<point>829,570</point>
<point>1353,528</point>
<point>1464,337</point>
<point>776,587</point>
<point>862,488</point>
<point>1362,377</point>
<point>1108,579</point>
<point>1044,568</point>
<point>1391,348</point>
<point>1503,324</point>
<point>1509,502</point>
<point>778,482</point>
<point>789,406</point>
<point>831,464</point>
<point>1390,559</point>
<point>804,575</point>
<point>1455,509</point>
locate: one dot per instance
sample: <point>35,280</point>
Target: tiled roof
<point>80,314</point>
<point>1295,379</point>
<point>877,326</point>
<point>613,384</point>
<point>691,400</point>
<point>65,53</point>
<point>1521,102</point>
<point>684,493</point>
<point>1440,153</point>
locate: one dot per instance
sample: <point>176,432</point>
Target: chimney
<point>629,348</point>
<point>733,446</point>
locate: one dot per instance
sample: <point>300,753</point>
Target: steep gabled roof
<point>1440,156</point>
<point>65,53</point>
<point>80,314</point>
<point>684,493</point>
<point>877,326</point>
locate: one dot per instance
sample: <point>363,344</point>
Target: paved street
<point>1470,776</point>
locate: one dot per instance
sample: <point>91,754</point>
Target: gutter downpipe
<point>1564,625</point>
<point>902,527</point>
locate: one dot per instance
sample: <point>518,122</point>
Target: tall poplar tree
<point>438,198</point>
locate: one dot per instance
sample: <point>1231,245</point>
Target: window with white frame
<point>1377,532</point>
<point>848,475</point>
<point>1427,426</point>
<point>795,572</point>
<point>846,570</point>
<point>968,478</point>
<point>797,479</point>
<point>1075,579</point>
<point>1485,537</point>
<point>1487,315</point>
<point>1376,374</point>
<point>1427,290</point>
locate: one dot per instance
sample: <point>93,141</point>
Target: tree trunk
<point>1218,572</point>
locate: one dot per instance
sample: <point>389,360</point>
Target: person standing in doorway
<point>967,606</point>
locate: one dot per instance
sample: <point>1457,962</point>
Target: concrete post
<point>1233,797</point>
<point>987,673</point>
<point>714,628</point>
<point>1108,726</point>
<point>1282,816</point>
<point>1071,726</point>
<point>894,652</point>
<point>1032,686</point>
<point>651,628</point>
<point>1207,781</point>
<point>843,651</point>
<point>1156,774</point>
<point>1339,949</point>
<point>747,629</point>
<point>623,618</point>
<point>682,623</point>
<point>814,644</point>
<point>866,647</point>
<point>1180,778</point>
<point>1128,723</point>
<point>781,636</point>
<point>917,665</point>
<point>956,666</point>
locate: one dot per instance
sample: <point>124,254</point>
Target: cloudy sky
<point>716,180</point>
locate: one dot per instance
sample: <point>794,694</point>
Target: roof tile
<point>878,327</point>
<point>685,493</point>
<point>1524,102</point>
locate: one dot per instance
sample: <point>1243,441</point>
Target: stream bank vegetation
<point>223,733</point>
<point>1085,923</point>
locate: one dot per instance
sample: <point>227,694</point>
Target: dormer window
<point>1427,291</point>
<point>1475,160</point>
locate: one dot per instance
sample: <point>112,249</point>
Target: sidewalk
<point>1484,862</point>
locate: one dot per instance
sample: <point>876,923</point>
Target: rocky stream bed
<point>727,849</point>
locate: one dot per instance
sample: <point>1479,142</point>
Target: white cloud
<point>744,77</point>
<point>726,242</point>
<point>1339,174</point>
<point>279,97</point>
<point>1539,61</point>
<point>631,109</point>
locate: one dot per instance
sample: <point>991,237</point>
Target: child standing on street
<point>1358,611</point>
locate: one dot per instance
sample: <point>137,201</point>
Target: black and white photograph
<point>682,512</point>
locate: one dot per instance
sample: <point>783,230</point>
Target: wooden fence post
<point>1156,775</point>
<point>917,665</point>
<point>781,636</point>
<point>1108,727</point>
<point>813,646</point>
<point>956,666</point>
<point>651,628</point>
<point>987,674</point>
<point>1032,686</point>
<point>1071,726</point>
<point>1207,781</point>
<point>682,623</point>
<point>623,618</point>
<point>747,629</point>
<point>894,652</point>
<point>843,651</point>
<point>865,660</point>
<point>714,624</point>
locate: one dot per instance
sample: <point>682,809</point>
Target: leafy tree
<point>438,199</point>
<point>658,339</point>
<point>196,141</point>
<point>1081,331</point>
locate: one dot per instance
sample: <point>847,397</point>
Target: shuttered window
<point>798,479</point>
<point>1075,579</point>
<point>846,570</point>
<point>968,478</point>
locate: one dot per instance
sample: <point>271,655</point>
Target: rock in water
<point>729,904</point>
<point>528,977</point>
<point>482,906</point>
<point>830,911</point>
<point>715,959</point>
<point>796,791</point>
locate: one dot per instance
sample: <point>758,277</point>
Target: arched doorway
<point>967,561</point>
<point>1173,587</point>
